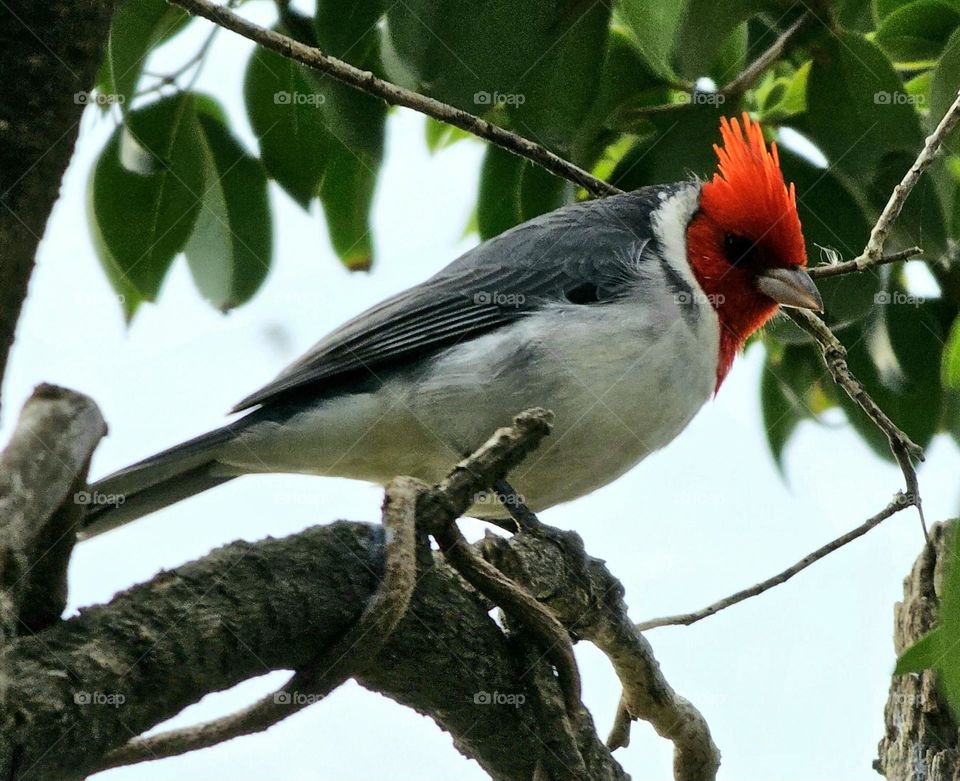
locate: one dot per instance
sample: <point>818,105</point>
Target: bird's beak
<point>790,287</point>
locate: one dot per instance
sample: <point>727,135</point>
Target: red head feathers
<point>744,244</point>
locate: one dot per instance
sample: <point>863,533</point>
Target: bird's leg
<point>524,517</point>
<point>569,542</point>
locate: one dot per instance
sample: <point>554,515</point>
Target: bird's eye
<point>738,249</point>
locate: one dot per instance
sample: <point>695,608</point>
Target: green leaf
<point>127,295</point>
<point>922,655</point>
<point>833,220</point>
<point>857,108</point>
<point>137,27</point>
<point>897,358</point>
<point>541,191</point>
<point>855,15</point>
<point>948,666</point>
<point>681,143</point>
<point>560,85</point>
<point>923,221</point>
<point>705,27</point>
<point>626,86</point>
<point>787,387</point>
<point>147,185</point>
<point>498,201</point>
<point>950,363</point>
<point>654,25</point>
<point>943,88</point>
<point>790,100</point>
<point>230,250</point>
<point>440,135</point>
<point>347,28</point>
<point>887,7</point>
<point>284,107</point>
<point>918,31</point>
<point>470,57</point>
<point>347,193</point>
<point>731,57</point>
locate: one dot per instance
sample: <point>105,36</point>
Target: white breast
<point>623,379</point>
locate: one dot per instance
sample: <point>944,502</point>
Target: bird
<point>622,315</point>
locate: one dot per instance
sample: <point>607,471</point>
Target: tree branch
<point>270,606</point>
<point>873,253</point>
<point>49,52</point>
<point>835,358</point>
<point>42,472</point>
<point>588,600</point>
<point>335,665</point>
<point>86,683</point>
<point>850,266</point>
<point>920,738</point>
<point>755,69</point>
<point>685,619</point>
<point>396,96</point>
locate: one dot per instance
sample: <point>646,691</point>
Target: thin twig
<point>849,266</point>
<point>904,449</point>
<point>755,69</point>
<point>900,502</point>
<point>397,96</point>
<point>343,659</point>
<point>873,253</point>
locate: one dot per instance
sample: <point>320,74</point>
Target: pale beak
<point>790,287</point>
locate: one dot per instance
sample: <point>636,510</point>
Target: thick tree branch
<point>921,739</point>
<point>86,684</point>
<point>348,656</point>
<point>42,473</point>
<point>49,53</point>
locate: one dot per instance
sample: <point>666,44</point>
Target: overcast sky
<point>792,683</point>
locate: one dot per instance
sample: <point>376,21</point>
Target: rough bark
<point>49,51</point>
<point>42,473</point>
<point>921,739</point>
<point>85,685</point>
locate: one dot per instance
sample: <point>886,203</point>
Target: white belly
<point>622,380</point>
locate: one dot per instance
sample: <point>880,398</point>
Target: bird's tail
<point>154,483</point>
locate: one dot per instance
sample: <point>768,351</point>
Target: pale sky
<point>792,683</point>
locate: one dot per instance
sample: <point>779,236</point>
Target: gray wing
<point>585,253</point>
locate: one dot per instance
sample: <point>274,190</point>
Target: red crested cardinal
<point>622,315</point>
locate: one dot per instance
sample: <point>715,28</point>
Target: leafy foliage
<point>627,89</point>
